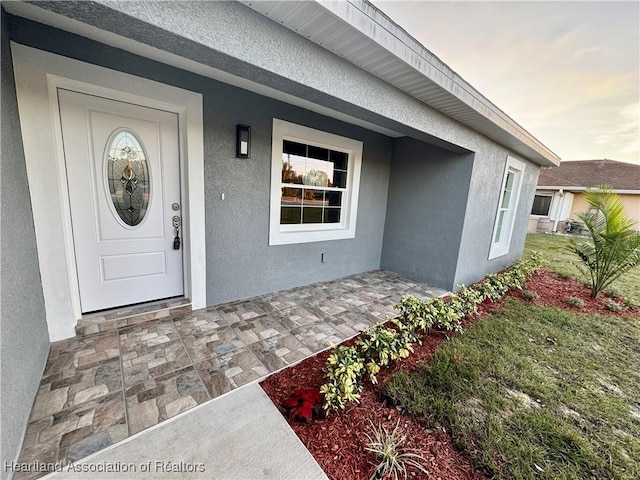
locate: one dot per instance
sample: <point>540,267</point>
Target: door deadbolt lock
<point>175,221</point>
<point>175,207</point>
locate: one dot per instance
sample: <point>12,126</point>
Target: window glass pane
<point>541,204</point>
<point>318,152</point>
<point>291,196</point>
<point>311,215</point>
<point>290,215</point>
<point>509,183</point>
<point>506,197</point>
<point>128,178</point>
<point>340,179</point>
<point>292,168</point>
<point>332,215</point>
<point>316,173</point>
<point>314,198</point>
<point>308,172</point>
<point>334,199</point>
<point>294,148</point>
<point>339,159</point>
<point>501,215</point>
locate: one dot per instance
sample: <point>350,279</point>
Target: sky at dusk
<point>568,72</point>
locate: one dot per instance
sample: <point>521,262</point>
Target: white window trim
<point>288,234</point>
<point>498,249</point>
<point>544,194</point>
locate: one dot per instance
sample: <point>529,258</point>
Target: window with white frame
<point>505,216</point>
<point>541,205</point>
<point>315,178</point>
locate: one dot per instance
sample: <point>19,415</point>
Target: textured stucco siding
<point>428,192</point>
<point>231,37</point>
<point>482,206</point>
<point>458,194</point>
<point>240,262</point>
<point>631,206</point>
<point>25,340</point>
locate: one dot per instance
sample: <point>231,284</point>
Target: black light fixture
<point>243,141</point>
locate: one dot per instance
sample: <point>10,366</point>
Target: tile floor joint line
<point>204,385</point>
<point>124,388</point>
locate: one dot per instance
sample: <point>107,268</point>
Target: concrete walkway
<point>240,435</point>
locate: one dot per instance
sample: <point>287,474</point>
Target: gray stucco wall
<point>482,205</point>
<point>24,339</point>
<point>426,211</point>
<point>240,263</point>
<point>205,32</point>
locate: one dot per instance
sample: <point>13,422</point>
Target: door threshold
<point>112,319</point>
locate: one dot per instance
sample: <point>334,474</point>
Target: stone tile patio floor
<point>99,389</point>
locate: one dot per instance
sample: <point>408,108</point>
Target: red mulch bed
<point>337,442</point>
<point>553,290</point>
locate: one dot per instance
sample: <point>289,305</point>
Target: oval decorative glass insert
<point>128,177</point>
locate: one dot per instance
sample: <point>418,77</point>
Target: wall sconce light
<point>243,141</point>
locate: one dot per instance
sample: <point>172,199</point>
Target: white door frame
<point>38,75</point>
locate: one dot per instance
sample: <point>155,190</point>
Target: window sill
<point>283,237</point>
<point>498,252</point>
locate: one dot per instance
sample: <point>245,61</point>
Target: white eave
<point>361,34</point>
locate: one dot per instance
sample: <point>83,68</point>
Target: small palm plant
<point>390,453</point>
<point>614,246</point>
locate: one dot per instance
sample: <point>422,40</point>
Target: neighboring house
<point>363,151</point>
<point>560,192</point>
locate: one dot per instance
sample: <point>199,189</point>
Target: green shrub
<point>574,302</point>
<point>614,291</point>
<point>530,295</point>
<point>413,313</point>
<point>614,246</point>
<point>612,305</point>
<point>628,302</point>
<point>493,286</point>
<point>382,344</point>
<point>344,377</point>
<point>445,314</point>
<point>391,455</point>
<point>466,300</point>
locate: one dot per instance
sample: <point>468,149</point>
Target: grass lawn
<point>535,392</point>
<point>563,262</point>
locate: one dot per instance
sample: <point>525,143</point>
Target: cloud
<point>566,71</point>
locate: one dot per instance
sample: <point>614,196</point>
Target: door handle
<point>176,224</point>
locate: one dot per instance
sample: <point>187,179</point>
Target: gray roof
<point>583,174</point>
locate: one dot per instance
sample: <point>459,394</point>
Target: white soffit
<point>360,33</point>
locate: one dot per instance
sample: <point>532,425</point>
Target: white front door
<point>123,177</point>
